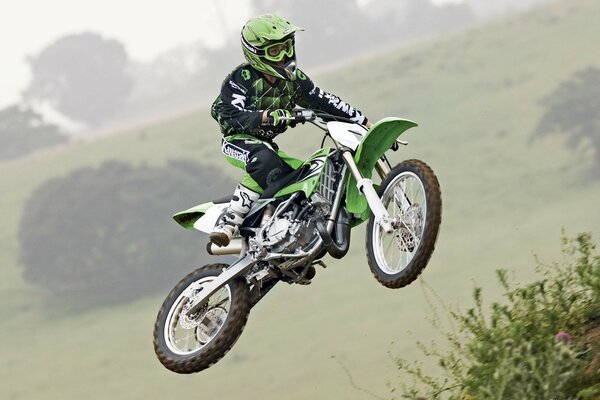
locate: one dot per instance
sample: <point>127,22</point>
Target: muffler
<point>233,248</point>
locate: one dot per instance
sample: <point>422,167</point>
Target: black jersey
<point>246,93</point>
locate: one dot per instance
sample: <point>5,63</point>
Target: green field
<point>476,95</point>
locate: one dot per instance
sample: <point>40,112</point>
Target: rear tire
<point>191,344</point>
<point>411,194</point>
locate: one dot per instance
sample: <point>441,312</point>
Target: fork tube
<point>365,186</point>
<point>351,164</point>
<point>382,169</point>
<point>335,207</point>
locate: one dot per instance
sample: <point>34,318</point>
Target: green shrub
<point>527,347</point>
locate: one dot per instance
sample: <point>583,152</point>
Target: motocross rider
<point>255,100</point>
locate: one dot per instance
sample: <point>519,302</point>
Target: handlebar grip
<point>303,115</point>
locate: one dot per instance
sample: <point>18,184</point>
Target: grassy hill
<point>476,96</point>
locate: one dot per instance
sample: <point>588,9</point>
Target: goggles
<point>276,51</point>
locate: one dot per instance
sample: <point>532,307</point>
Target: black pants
<point>260,160</point>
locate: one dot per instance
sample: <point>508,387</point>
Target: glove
<point>278,117</point>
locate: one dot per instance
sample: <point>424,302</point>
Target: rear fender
<point>202,217</point>
<point>205,216</point>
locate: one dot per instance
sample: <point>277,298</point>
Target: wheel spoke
<point>220,303</point>
<point>389,246</point>
<point>216,300</point>
<point>187,342</point>
<point>399,264</point>
<point>412,232</point>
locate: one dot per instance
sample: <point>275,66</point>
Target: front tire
<point>411,194</point>
<point>188,344</point>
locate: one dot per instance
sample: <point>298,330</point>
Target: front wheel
<point>411,194</point>
<point>190,343</point>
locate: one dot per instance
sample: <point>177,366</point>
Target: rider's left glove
<point>279,117</point>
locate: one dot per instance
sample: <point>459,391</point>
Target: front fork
<point>365,186</point>
<point>382,169</point>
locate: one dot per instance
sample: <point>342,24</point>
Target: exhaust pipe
<point>233,248</point>
<point>337,245</point>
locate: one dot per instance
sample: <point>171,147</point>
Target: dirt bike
<point>296,223</point>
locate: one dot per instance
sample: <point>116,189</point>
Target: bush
<point>22,131</point>
<point>531,346</point>
<point>106,235</point>
<point>573,110</point>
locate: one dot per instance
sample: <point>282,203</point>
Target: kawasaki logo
<point>233,151</point>
<point>249,47</point>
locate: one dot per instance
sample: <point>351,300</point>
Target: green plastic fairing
<point>315,162</point>
<point>375,143</point>
<point>315,165</point>
<point>188,218</point>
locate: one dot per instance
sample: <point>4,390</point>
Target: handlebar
<point>306,115</point>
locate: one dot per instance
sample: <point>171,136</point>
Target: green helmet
<point>268,45</point>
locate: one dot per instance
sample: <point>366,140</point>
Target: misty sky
<point>146,28</point>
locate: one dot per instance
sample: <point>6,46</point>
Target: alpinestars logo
<point>246,202</point>
<point>233,151</point>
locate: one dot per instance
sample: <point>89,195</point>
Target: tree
<point>84,76</point>
<point>22,131</point>
<point>573,109</point>
<point>105,235</point>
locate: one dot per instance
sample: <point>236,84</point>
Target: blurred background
<point>105,132</point>
<point>166,57</point>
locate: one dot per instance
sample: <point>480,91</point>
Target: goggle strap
<point>252,49</point>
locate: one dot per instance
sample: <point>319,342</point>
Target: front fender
<point>374,144</point>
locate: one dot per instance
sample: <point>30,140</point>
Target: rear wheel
<point>411,194</point>
<point>190,343</point>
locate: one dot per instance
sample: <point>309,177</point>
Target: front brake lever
<point>397,143</point>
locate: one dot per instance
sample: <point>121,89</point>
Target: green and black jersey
<point>246,93</point>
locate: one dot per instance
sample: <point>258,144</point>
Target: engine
<point>295,230</point>
<point>285,235</point>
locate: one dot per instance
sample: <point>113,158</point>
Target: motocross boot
<point>234,215</point>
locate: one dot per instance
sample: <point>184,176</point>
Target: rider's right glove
<point>279,117</point>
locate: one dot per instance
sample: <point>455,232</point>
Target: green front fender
<point>374,144</point>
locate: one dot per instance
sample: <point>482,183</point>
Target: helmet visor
<point>277,51</point>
